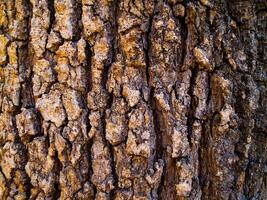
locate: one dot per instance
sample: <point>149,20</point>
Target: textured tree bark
<point>133,99</point>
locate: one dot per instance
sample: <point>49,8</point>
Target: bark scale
<point>131,99</point>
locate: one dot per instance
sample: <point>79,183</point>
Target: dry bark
<point>143,99</point>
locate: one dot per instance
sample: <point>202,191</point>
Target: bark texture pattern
<point>133,99</point>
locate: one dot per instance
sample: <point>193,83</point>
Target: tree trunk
<point>133,99</point>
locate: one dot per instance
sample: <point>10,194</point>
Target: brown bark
<point>133,100</point>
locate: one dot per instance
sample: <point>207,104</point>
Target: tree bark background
<point>133,99</point>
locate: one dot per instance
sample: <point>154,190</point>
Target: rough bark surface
<point>133,99</point>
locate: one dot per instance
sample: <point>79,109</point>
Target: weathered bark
<point>134,99</point>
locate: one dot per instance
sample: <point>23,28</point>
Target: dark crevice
<point>113,47</point>
<point>111,153</point>
<point>58,168</point>
<point>89,145</point>
<point>209,95</point>
<point>25,97</point>
<point>159,149</point>
<point>166,188</point>
<point>88,54</point>
<point>184,33</point>
<point>105,73</point>
<point>168,180</point>
<point>24,70</point>
<point>147,46</point>
<point>156,123</point>
<point>203,157</point>
<point>51,8</point>
<point>28,187</point>
<point>89,142</point>
<point>191,111</point>
<point>114,174</point>
<point>78,18</point>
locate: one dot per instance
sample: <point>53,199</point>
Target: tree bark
<point>143,99</point>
